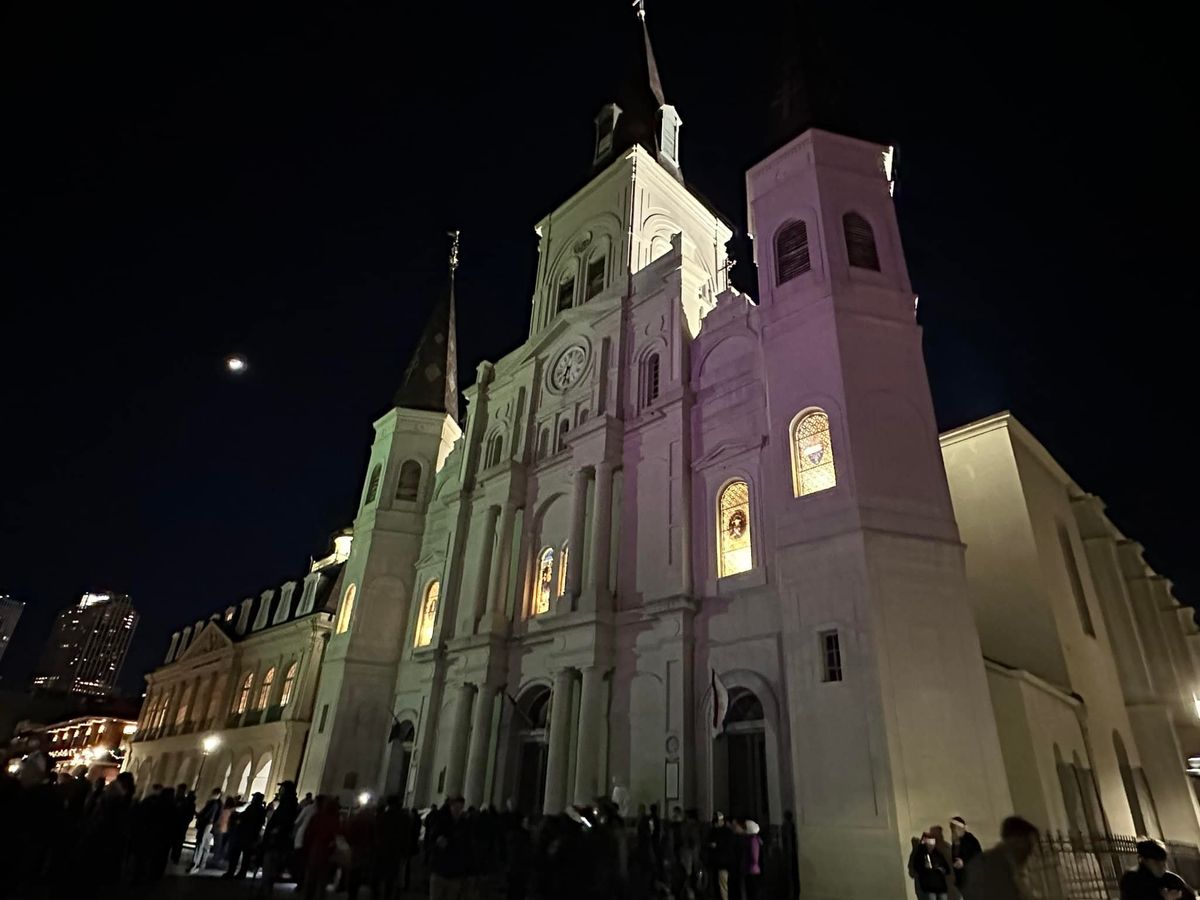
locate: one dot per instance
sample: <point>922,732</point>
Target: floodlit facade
<point>98,744</point>
<point>244,681</point>
<point>88,645</point>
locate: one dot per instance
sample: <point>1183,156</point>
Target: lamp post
<point>208,745</point>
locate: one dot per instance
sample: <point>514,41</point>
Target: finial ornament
<point>453,251</point>
<point>640,6</point>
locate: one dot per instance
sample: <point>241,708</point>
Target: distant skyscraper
<point>88,645</point>
<point>10,614</point>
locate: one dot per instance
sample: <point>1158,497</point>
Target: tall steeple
<point>643,115</point>
<point>431,379</point>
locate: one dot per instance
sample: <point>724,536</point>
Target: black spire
<point>431,379</point>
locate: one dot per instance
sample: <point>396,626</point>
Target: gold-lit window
<point>243,700</point>
<point>429,611</point>
<point>812,454</point>
<point>289,684</point>
<point>346,612</point>
<point>562,571</point>
<point>264,691</point>
<point>545,582</point>
<point>733,539</point>
<point>181,714</point>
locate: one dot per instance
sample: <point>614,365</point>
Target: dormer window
<point>595,278</point>
<point>566,294</point>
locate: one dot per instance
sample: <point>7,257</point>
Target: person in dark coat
<point>246,835</point>
<point>185,811</point>
<point>277,837</point>
<point>964,848</point>
<point>790,851</point>
<point>720,856</point>
<point>394,840</point>
<point>1152,880</point>
<point>206,819</point>
<point>930,868</point>
<point>449,843</point>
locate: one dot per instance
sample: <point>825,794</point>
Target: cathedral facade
<point>691,549</point>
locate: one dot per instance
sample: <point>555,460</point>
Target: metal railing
<point>1089,867</point>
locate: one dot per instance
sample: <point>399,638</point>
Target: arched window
<point>543,445</point>
<point>181,715</point>
<point>744,706</point>
<point>562,570</point>
<point>346,611</point>
<point>791,252</point>
<point>243,697</point>
<point>566,293</point>
<point>595,278</point>
<point>289,684</point>
<point>495,449</point>
<point>264,690</point>
<point>563,427</point>
<point>812,454</point>
<point>650,366</point>
<point>545,581</point>
<point>372,486</point>
<point>860,242</point>
<point>428,617</point>
<point>733,539</point>
<point>410,481</point>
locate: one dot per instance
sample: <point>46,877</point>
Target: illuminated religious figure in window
<point>812,454</point>
<point>545,582</point>
<point>562,571</point>
<point>429,611</point>
<point>733,538</point>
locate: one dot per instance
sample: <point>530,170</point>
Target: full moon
<point>235,364</point>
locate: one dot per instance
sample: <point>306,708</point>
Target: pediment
<point>728,450</point>
<point>210,640</point>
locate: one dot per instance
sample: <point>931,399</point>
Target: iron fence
<point>1089,867</point>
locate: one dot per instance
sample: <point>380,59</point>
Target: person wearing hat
<point>964,848</point>
<point>754,845</point>
<point>1152,880</point>
<point>929,868</point>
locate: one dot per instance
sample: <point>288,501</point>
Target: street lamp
<point>210,743</point>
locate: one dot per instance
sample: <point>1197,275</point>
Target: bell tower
<point>891,719</point>
<point>412,440</point>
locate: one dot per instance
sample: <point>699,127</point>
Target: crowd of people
<point>62,828</point>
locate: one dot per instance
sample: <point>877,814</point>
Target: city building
<point>234,696</point>
<point>87,646</point>
<point>690,549</point>
<point>10,614</point>
<point>98,743</point>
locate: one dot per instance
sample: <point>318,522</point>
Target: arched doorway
<point>262,778</point>
<point>241,779</point>
<point>403,740</point>
<point>740,759</point>
<point>533,710</point>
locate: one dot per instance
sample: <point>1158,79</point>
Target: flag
<point>720,704</point>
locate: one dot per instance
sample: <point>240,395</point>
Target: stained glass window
<point>812,454</point>
<point>429,611</point>
<point>562,571</point>
<point>545,582</point>
<point>346,613</point>
<point>734,537</point>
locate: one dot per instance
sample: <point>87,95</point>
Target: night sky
<point>184,183</point>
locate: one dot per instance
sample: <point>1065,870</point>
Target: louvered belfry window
<point>860,242</point>
<point>791,252</point>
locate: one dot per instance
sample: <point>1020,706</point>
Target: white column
<point>597,596</point>
<point>487,542</point>
<point>459,729</point>
<point>575,561</point>
<point>498,589</point>
<point>591,711</point>
<point>477,756</point>
<point>560,743</point>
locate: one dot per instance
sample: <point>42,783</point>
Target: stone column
<point>591,711</point>
<point>487,542</point>
<point>560,743</point>
<point>578,509</point>
<point>481,740</point>
<point>597,592</point>
<point>459,728</point>
<point>498,588</point>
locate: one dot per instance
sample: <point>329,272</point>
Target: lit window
<point>831,656</point>
<point>181,715</point>
<point>410,481</point>
<point>289,684</point>
<point>264,691</point>
<point>373,486</point>
<point>812,454</point>
<point>860,242</point>
<point>562,571</point>
<point>566,294</point>
<point>595,278</point>
<point>346,612</point>
<point>243,699</point>
<point>791,252</point>
<point>428,617</point>
<point>650,367</point>
<point>545,581</point>
<point>734,523</point>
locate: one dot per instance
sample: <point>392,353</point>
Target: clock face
<point>569,367</point>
